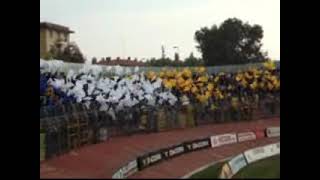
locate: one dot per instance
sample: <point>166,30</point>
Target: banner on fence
<point>246,136</point>
<point>149,159</point>
<point>237,163</point>
<point>277,147</point>
<point>197,144</point>
<point>272,149</point>
<point>256,154</point>
<point>118,175</point>
<point>126,170</point>
<point>173,151</point>
<point>226,172</point>
<point>273,132</point>
<point>223,139</point>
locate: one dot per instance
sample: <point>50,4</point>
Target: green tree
<point>234,42</point>
<point>176,57</point>
<point>48,56</point>
<point>192,61</point>
<point>94,60</point>
<point>68,53</point>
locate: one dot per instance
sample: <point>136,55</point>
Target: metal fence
<point>71,126</point>
<point>110,70</point>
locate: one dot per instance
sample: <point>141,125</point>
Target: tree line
<point>189,61</point>
<point>233,42</point>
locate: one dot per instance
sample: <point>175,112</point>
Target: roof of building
<point>56,27</point>
<point>122,62</point>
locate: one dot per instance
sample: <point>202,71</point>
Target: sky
<point>138,28</point>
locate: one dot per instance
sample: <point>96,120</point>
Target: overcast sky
<point>138,28</point>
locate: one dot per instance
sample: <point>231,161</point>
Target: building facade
<point>52,33</point>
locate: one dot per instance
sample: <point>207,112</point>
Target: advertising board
<point>197,144</point>
<point>223,139</point>
<point>246,136</point>
<point>256,154</point>
<point>127,170</point>
<point>174,151</point>
<point>273,132</point>
<point>149,159</point>
<point>237,163</point>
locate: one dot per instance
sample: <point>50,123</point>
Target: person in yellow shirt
<point>254,85</point>
<point>270,86</point>
<point>187,73</point>
<point>151,75</point>
<point>270,65</point>
<point>194,89</point>
<point>210,86</point>
<point>244,83</point>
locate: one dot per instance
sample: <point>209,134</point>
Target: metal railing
<point>110,70</point>
<point>70,127</point>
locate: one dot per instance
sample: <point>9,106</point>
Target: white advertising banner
<point>223,139</point>
<point>274,149</point>
<point>277,147</point>
<point>126,170</point>
<point>271,150</point>
<point>273,132</point>
<point>130,168</point>
<point>237,163</point>
<point>246,136</point>
<point>255,154</point>
<point>118,175</point>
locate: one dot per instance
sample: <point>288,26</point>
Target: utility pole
<point>163,54</point>
<point>176,54</point>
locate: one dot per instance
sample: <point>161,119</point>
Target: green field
<point>267,168</point>
<point>209,173</point>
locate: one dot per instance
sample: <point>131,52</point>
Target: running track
<point>102,160</point>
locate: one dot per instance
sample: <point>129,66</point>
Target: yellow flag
<point>216,79</point>
<point>194,89</point>
<point>226,172</point>
<point>208,94</point>
<point>270,65</point>
<point>244,83</point>
<point>162,74</point>
<point>210,86</point>
<point>213,107</point>
<point>187,73</point>
<point>270,86</point>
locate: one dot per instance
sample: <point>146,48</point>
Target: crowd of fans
<point>130,102</point>
<point>192,93</point>
<point>171,88</point>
